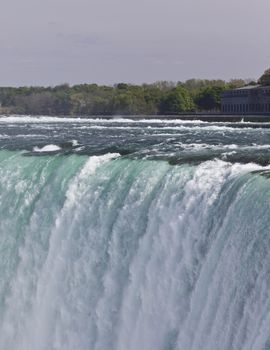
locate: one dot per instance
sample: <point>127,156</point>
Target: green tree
<point>209,98</point>
<point>265,78</point>
<point>176,101</point>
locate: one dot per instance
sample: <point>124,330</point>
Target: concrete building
<point>246,100</point>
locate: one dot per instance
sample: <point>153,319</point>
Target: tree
<point>209,98</point>
<point>36,103</point>
<point>122,86</point>
<point>265,78</point>
<point>237,83</point>
<point>176,101</point>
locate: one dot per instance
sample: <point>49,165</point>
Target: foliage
<point>162,97</point>
<point>209,98</point>
<point>176,101</point>
<point>265,78</point>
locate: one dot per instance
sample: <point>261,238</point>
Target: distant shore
<point>160,98</point>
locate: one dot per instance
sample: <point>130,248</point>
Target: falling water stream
<point>124,235</point>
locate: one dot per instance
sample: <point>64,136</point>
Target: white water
<point>47,148</point>
<point>103,253</point>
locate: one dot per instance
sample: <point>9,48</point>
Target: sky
<point>50,42</point>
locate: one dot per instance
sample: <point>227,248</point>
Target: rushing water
<point>127,235</point>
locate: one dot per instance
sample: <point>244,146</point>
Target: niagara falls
<point>128,234</point>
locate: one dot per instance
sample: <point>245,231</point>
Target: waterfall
<point>107,252</point>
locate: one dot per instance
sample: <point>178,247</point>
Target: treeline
<point>125,99</point>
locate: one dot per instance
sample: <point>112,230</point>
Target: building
<point>246,100</point>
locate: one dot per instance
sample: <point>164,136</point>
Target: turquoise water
<point>110,251</point>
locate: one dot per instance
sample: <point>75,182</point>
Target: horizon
<point>246,80</point>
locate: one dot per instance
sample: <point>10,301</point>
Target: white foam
<point>74,143</point>
<point>47,148</point>
<point>182,124</point>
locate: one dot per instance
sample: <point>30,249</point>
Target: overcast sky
<point>48,42</point>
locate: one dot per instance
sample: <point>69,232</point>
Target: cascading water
<point>131,252</point>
